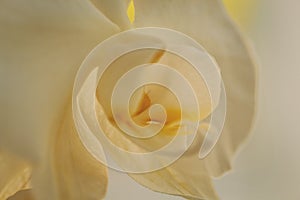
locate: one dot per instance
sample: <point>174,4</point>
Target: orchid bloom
<point>43,44</point>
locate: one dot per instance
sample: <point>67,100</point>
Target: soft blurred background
<point>268,167</point>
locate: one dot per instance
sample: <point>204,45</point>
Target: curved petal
<point>207,22</point>
<point>114,10</point>
<point>15,175</point>
<point>77,174</point>
<point>23,195</point>
<point>42,46</point>
<point>152,94</point>
<point>182,178</point>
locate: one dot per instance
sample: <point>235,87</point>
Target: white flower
<point>43,43</point>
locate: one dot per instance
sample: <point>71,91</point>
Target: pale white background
<point>268,168</point>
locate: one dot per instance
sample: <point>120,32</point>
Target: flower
<point>43,44</point>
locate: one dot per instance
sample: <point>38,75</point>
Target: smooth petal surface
<point>207,22</point>
<point>150,95</point>
<point>77,173</point>
<point>15,175</point>
<point>23,195</point>
<point>42,46</point>
<point>115,11</point>
<point>87,82</point>
<point>183,178</point>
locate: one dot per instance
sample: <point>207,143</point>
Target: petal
<point>42,46</point>
<point>155,95</point>
<point>23,195</point>
<point>84,104</point>
<point>182,178</point>
<point>139,108</point>
<point>15,175</point>
<point>114,10</point>
<point>77,174</point>
<point>206,22</point>
<point>195,79</point>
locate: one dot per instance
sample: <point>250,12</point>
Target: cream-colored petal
<point>206,100</point>
<point>15,175</point>
<point>77,174</point>
<point>84,103</point>
<point>139,107</point>
<point>183,178</point>
<point>42,46</point>
<point>114,10</point>
<point>23,195</point>
<point>207,22</point>
<point>152,94</point>
<point>116,70</point>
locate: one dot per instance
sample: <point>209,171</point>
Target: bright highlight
<point>131,12</point>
